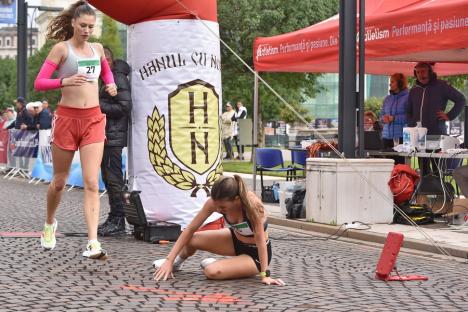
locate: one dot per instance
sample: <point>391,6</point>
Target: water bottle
<point>275,189</point>
<point>406,137</point>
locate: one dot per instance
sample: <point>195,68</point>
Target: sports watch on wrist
<point>264,274</point>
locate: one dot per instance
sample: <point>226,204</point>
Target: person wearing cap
<point>227,128</point>
<point>42,118</point>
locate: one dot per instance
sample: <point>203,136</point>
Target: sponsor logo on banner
<point>8,12</point>
<point>265,50</point>
<point>194,137</point>
<point>24,143</point>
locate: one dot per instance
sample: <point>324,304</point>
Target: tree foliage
<point>7,82</point>
<point>241,21</point>
<point>110,36</point>
<point>373,104</point>
<point>34,65</point>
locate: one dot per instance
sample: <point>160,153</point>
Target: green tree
<point>34,64</point>
<point>241,21</point>
<point>7,82</point>
<point>373,104</point>
<point>110,36</point>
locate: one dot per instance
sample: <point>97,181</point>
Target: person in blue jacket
<point>393,113</point>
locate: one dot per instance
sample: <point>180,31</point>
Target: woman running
<point>78,123</point>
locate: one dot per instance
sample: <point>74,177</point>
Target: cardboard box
<point>435,202</point>
<point>459,214</point>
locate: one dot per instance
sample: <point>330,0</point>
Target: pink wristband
<point>43,80</point>
<point>106,72</point>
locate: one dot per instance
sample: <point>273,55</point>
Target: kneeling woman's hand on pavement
<point>272,281</point>
<point>164,271</point>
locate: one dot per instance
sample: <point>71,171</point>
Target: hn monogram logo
<point>194,137</point>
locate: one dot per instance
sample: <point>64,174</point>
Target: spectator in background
<point>427,102</point>
<point>241,113</point>
<point>3,118</point>
<point>428,99</point>
<point>42,118</point>
<point>226,119</point>
<point>393,113</point>
<point>370,122</point>
<point>10,117</point>
<point>117,109</point>
<point>23,119</point>
<point>45,106</point>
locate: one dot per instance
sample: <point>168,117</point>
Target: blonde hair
<point>227,188</point>
<point>60,27</point>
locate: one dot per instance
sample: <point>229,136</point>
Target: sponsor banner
<point>8,12</point>
<point>45,151</point>
<point>24,143</point>
<point>3,146</point>
<point>397,34</point>
<point>176,91</point>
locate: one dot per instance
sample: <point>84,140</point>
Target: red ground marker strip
<point>186,296</point>
<point>24,234</point>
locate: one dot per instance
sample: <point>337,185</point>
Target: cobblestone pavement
<point>321,275</point>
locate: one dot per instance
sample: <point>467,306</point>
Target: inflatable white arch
<point>174,150</point>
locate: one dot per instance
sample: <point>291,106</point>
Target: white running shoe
<point>94,251</point>
<point>206,262</point>
<point>48,240</point>
<point>176,266</point>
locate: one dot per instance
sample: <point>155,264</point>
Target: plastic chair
<point>271,159</point>
<point>298,157</point>
<point>450,165</point>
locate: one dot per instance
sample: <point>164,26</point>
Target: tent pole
<point>362,74</point>
<point>347,80</point>
<point>255,133</point>
<point>465,127</point>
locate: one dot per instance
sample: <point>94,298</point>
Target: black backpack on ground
<point>295,205</point>
<point>420,214</point>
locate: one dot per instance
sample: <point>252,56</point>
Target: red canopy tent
<point>397,34</point>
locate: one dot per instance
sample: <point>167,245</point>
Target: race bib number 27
<point>90,68</point>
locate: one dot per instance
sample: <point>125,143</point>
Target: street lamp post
<point>31,32</point>
<point>22,49</point>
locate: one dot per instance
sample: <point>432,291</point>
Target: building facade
<point>44,17</point>
<point>325,103</point>
<point>9,41</point>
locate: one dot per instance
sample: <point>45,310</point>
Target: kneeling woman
<point>246,240</point>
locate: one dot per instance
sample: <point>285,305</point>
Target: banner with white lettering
<point>176,92</point>
<point>24,143</point>
<point>8,12</point>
